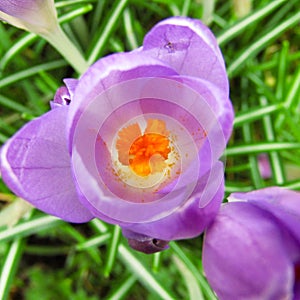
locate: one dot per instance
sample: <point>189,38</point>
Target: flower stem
<point>59,40</point>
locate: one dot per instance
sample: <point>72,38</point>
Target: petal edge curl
<point>35,165</point>
<point>188,46</point>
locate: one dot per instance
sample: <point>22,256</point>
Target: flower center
<point>145,157</point>
<point>148,153</point>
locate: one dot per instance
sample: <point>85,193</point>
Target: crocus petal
<point>38,16</point>
<point>35,164</point>
<point>284,204</point>
<point>61,98</point>
<point>245,255</point>
<point>190,219</point>
<point>108,72</point>
<point>190,48</point>
<point>219,102</point>
<point>64,94</point>
<point>71,85</point>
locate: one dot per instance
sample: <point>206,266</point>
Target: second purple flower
<point>136,141</point>
<point>252,249</point>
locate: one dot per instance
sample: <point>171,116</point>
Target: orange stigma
<point>144,154</point>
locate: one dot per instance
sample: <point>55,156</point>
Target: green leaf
<point>194,291</point>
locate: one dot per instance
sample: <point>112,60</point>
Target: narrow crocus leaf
<point>189,279</point>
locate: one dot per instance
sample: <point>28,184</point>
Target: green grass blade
<point>282,68</point>
<point>11,79</point>
<point>255,114</point>
<point>260,147</point>
<point>130,34</point>
<point>253,165</point>
<point>232,188</point>
<point>98,225</point>
<point>157,259</point>
<point>293,185</point>
<point>276,164</point>
<point>75,13</point>
<point>193,288</point>
<point>252,50</point>
<point>29,227</point>
<point>112,251</point>
<point>291,98</point>
<point>196,273</point>
<point>13,105</point>
<point>123,289</point>
<point>186,8</point>
<point>11,263</point>
<point>237,28</point>
<point>112,20</point>
<point>143,274</point>
<point>93,242</point>
<point>16,48</point>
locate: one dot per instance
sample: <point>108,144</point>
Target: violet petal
<point>35,164</point>
<point>282,203</point>
<point>109,71</point>
<point>191,219</point>
<point>245,255</point>
<point>190,48</point>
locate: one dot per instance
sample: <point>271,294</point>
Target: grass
<point>44,256</point>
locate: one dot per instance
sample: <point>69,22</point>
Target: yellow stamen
<point>156,126</point>
<point>127,136</point>
<point>145,154</point>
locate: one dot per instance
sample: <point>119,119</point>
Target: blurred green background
<point>42,257</point>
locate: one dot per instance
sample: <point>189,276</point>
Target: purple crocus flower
<point>252,250</point>
<point>136,141</point>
